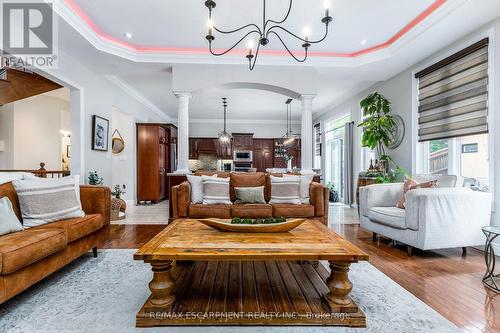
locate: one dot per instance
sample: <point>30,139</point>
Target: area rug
<point>103,294</point>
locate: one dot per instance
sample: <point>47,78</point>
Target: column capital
<point>307,97</point>
<point>184,94</point>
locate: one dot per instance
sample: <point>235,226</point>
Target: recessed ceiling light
<point>128,35</point>
<point>363,42</point>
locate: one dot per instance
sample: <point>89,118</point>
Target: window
<point>334,153</point>
<point>317,146</point>
<point>453,115</point>
<point>466,156</point>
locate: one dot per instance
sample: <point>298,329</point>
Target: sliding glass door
<point>334,154</point>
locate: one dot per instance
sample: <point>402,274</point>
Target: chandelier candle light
<point>269,27</point>
<point>224,136</point>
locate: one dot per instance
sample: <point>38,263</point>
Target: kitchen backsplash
<point>204,162</point>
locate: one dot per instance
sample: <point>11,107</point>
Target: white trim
<point>137,96</point>
<point>79,25</point>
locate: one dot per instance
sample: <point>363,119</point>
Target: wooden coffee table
<point>202,276</point>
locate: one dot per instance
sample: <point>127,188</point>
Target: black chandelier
<point>269,27</point>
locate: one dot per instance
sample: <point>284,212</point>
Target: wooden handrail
<point>43,173</point>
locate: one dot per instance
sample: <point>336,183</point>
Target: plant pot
<point>334,196</point>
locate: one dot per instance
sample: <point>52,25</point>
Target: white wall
<point>123,164</point>
<point>37,122</point>
<point>7,136</point>
<point>32,132</point>
<point>400,89</point>
<point>269,129</point>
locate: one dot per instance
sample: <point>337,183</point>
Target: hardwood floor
<point>446,281</point>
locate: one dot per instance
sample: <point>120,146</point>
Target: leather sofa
<point>28,256</point>
<point>183,208</point>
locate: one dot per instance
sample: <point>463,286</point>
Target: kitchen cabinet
<point>263,154</point>
<point>193,148</point>
<point>156,156</point>
<point>242,141</point>
<point>224,150</point>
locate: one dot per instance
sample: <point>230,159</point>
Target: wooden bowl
<point>226,225</point>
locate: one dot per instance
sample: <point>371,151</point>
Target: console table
<point>490,279</point>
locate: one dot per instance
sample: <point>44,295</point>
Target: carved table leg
<point>161,285</point>
<point>340,287</point>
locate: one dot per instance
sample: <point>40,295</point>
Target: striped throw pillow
<point>215,190</point>
<point>285,190</point>
<point>47,200</point>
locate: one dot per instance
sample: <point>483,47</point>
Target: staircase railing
<point>44,173</point>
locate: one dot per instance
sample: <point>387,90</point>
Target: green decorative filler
<point>268,220</point>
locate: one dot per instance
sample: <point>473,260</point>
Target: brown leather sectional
<point>28,256</point>
<point>182,206</point>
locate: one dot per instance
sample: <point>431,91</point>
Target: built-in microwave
<point>243,156</point>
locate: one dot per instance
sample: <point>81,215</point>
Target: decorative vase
<point>289,166</point>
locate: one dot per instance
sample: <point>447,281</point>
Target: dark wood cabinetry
<point>263,154</point>
<point>209,146</point>
<point>156,156</point>
<point>242,141</point>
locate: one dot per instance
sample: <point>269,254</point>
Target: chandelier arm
<point>270,30</point>
<point>289,51</point>
<point>239,29</point>
<point>250,65</point>
<point>232,47</point>
<point>283,20</point>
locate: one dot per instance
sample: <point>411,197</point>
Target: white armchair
<point>434,218</point>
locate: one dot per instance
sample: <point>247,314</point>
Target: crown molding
<point>137,96</point>
<point>76,17</point>
<point>240,121</point>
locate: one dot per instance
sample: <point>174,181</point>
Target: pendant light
<point>224,136</point>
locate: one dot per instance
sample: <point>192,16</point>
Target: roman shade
<point>453,95</point>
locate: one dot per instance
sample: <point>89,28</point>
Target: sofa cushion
<point>215,190</point>
<point>285,190</point>
<point>23,248</point>
<point>78,227</point>
<point>293,210</point>
<point>48,200</point>
<point>253,179</point>
<point>391,216</point>
<point>8,190</point>
<point>205,211</point>
<point>251,211</point>
<point>9,222</point>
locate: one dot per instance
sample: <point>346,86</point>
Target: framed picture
<point>100,133</point>
<point>68,151</point>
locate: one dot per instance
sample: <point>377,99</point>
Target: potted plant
<point>95,179</point>
<point>377,125</point>
<point>334,194</point>
<point>118,191</point>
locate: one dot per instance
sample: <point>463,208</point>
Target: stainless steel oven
<point>243,156</point>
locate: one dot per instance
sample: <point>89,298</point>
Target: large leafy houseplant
<point>378,124</point>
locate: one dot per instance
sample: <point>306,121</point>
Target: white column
<point>306,135</point>
<point>182,132</point>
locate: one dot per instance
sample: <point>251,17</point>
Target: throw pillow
<point>406,187</point>
<point>285,190</point>
<point>9,222</point>
<point>250,195</point>
<point>76,178</point>
<point>7,177</point>
<point>305,184</point>
<point>429,184</point>
<point>47,200</point>
<point>215,190</point>
<point>196,183</point>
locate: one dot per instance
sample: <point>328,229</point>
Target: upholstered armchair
<point>434,218</point>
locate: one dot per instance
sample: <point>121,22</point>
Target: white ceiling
<point>182,23</point>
